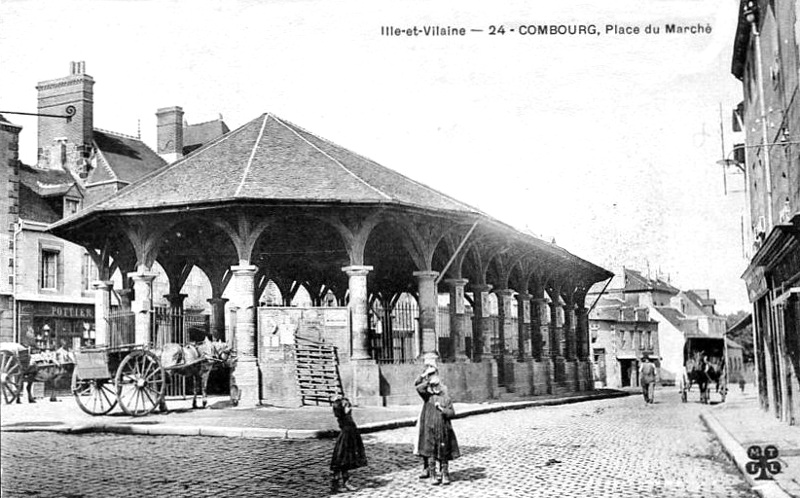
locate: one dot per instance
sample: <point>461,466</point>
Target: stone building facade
<point>46,283</point>
<point>9,218</point>
<point>766,59</point>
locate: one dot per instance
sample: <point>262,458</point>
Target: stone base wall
<point>570,376</point>
<point>466,382</point>
<point>542,377</point>
<point>361,381</point>
<point>369,384</point>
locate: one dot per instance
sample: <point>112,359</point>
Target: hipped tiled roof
<point>272,159</point>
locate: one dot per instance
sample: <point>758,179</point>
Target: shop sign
<point>756,283</point>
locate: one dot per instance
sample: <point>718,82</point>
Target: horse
<point>702,372</point>
<point>195,361</point>
<point>48,367</point>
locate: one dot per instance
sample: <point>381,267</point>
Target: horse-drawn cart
<point>130,375</point>
<point>705,359</point>
<point>135,376</point>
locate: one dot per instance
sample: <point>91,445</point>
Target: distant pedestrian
<point>647,377</point>
<point>348,453</point>
<point>742,382</point>
<point>438,441</point>
<point>422,382</point>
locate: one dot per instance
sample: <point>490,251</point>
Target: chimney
<point>63,142</point>
<point>170,133</point>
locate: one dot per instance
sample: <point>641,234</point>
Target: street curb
<point>765,489</point>
<point>271,433</point>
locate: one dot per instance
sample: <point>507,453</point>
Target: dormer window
<point>71,206</point>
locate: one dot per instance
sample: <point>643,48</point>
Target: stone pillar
<point>428,307</point>
<point>142,305</point>
<point>569,331</point>
<point>125,298</point>
<point>217,320</point>
<point>556,349</point>
<point>457,332</point>
<point>245,377</point>
<point>524,322</point>
<point>504,297</point>
<point>538,322</point>
<point>479,325</point>
<point>102,310</point>
<point>582,334</point>
<point>359,310</point>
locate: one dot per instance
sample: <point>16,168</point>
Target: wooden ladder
<point>317,366</point>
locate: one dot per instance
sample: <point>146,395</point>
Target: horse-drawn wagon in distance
<point>706,362</point>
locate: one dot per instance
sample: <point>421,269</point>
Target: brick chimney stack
<point>170,133</point>
<point>66,143</point>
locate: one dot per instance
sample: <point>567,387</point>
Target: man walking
<point>647,377</point>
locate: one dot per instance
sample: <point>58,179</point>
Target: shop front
<point>51,325</point>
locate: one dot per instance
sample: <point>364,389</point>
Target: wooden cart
<point>130,375</point>
<point>14,362</point>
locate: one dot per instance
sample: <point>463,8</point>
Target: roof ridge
<point>205,122</point>
<point>252,154</point>
<point>279,120</point>
<point>123,135</point>
<point>462,204</point>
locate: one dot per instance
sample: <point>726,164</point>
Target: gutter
<point>14,317</point>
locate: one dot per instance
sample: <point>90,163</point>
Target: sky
<point>606,142</point>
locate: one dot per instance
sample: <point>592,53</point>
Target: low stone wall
<point>570,376</point>
<point>361,381</point>
<point>279,384</point>
<point>466,382</point>
<point>542,377</point>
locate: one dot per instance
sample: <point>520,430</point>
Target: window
<point>88,272</point>
<point>71,206</point>
<point>49,270</point>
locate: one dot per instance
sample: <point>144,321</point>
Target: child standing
<point>421,385</point>
<point>439,440</point>
<point>348,453</point>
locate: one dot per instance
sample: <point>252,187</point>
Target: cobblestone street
<point>615,448</point>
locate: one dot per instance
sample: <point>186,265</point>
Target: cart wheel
<point>140,383</point>
<point>94,396</point>
<point>10,377</point>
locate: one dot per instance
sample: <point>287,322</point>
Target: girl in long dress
<point>348,453</point>
<point>437,438</point>
<point>422,380</point>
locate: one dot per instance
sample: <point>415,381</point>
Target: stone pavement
<point>739,423</point>
<point>220,419</point>
<point>605,448</point>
